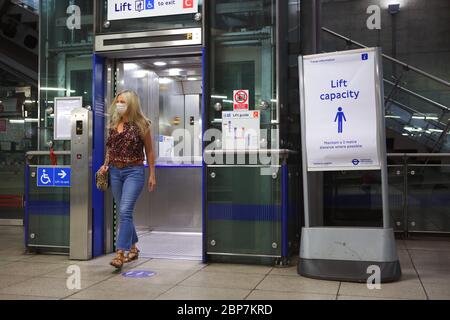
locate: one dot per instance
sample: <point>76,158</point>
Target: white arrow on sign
<point>62,174</point>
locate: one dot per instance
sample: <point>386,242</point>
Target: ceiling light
<point>160,63</point>
<point>175,71</point>
<point>225,97</point>
<point>164,80</point>
<point>392,117</point>
<point>141,74</point>
<point>130,66</point>
<point>56,89</point>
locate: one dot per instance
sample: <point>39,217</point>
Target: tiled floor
<point>425,265</point>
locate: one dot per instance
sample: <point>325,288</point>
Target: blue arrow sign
<point>62,177</point>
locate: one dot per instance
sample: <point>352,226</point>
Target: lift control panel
<point>80,193</point>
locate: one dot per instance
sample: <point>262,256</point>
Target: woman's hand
<point>104,169</point>
<point>151,183</point>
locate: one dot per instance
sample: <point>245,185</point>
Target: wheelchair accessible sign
<point>53,177</point>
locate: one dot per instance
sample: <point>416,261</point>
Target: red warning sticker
<point>240,100</point>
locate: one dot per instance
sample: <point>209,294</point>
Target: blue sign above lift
<point>53,177</point>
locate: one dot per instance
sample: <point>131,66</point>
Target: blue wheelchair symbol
<point>149,4</point>
<point>45,177</point>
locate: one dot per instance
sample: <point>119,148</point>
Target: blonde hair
<point>134,112</point>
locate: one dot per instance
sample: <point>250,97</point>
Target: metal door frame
<point>109,63</point>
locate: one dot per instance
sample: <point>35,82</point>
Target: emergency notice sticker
<point>240,100</point>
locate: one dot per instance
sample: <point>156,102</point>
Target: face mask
<point>121,108</point>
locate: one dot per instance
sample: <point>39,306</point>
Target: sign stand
<point>346,253</point>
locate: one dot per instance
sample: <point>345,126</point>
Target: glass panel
<point>65,60</point>
<point>396,197</point>
<point>353,198</point>
<point>428,198</point>
<point>244,211</point>
<point>243,57</point>
<point>18,134</point>
<point>413,124</point>
<point>144,24</point>
<point>48,214</point>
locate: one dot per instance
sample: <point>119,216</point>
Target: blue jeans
<point>126,186</point>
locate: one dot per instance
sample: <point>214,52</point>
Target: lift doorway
<point>169,220</point>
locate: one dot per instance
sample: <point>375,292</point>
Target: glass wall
<point>413,32</point>
<point>65,69</point>
<point>65,60</point>
<point>417,104</point>
<point>247,210</point>
<point>243,51</point>
<point>18,134</point>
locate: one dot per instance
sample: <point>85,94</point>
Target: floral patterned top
<point>126,146</point>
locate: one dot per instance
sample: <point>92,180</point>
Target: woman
<point>129,134</point>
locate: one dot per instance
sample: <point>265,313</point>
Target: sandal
<point>119,260</point>
<point>133,254</point>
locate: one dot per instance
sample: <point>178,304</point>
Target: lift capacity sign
<point>134,9</point>
<point>340,107</point>
<point>241,130</point>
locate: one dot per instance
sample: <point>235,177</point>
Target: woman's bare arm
<point>148,143</point>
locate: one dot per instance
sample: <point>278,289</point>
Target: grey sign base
<point>345,254</point>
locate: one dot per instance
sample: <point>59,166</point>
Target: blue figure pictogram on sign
<point>365,56</point>
<point>340,118</point>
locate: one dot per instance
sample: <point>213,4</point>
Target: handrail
<point>437,104</point>
<point>412,110</point>
<point>26,6</point>
<point>403,64</point>
<point>47,153</point>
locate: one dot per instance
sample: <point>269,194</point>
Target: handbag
<point>102,180</point>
